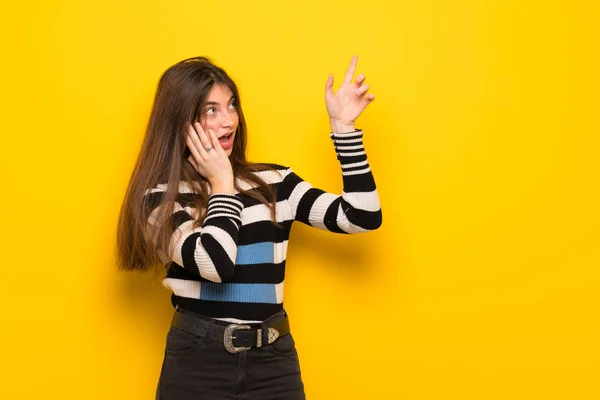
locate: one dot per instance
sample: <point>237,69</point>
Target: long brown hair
<point>182,90</point>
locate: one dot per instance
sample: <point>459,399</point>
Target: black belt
<point>235,337</point>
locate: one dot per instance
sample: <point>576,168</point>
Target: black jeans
<point>196,368</point>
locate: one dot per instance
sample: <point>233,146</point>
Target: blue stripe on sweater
<point>257,253</point>
<point>239,292</point>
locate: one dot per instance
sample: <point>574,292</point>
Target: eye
<point>232,105</point>
<point>211,111</point>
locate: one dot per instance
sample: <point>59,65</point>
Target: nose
<point>226,120</point>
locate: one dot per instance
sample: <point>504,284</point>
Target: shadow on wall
<point>347,257</point>
<point>144,298</point>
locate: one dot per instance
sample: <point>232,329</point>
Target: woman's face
<point>219,113</point>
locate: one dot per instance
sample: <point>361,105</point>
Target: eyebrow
<point>214,103</point>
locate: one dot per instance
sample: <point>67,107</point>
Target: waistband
<point>235,337</point>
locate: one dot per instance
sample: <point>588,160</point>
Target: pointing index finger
<point>351,68</point>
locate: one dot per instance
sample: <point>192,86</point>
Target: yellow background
<point>483,282</point>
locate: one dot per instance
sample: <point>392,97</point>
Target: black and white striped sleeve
<point>209,250</point>
<point>357,209</point>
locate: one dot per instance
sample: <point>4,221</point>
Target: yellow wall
<point>483,282</point>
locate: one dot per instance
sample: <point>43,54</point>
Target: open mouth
<point>226,141</point>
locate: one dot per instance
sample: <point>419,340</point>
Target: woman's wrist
<point>339,127</point>
<point>222,187</point>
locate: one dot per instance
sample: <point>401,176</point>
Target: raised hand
<point>345,105</point>
<point>209,159</point>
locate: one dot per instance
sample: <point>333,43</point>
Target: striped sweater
<point>232,267</point>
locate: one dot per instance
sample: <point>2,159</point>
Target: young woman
<point>220,225</point>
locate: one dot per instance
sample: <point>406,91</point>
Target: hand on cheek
<point>209,159</point>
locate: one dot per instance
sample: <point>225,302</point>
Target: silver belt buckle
<point>228,338</point>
